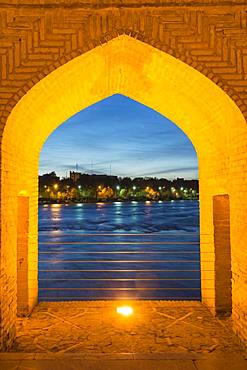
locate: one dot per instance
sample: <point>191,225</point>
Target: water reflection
<point>55,211</point>
<point>89,241</point>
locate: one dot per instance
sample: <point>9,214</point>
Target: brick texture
<point>40,37</point>
<point>36,40</point>
<point>222,245</point>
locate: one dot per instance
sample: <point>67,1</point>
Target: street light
<point>79,186</point>
<point>134,188</point>
<point>117,187</point>
<point>55,186</point>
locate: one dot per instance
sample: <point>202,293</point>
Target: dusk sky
<point>120,133</point>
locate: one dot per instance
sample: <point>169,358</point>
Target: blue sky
<point>120,133</point>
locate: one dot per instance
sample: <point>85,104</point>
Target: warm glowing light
<point>55,186</point>
<point>125,310</point>
<point>134,69</point>
<point>23,193</point>
<point>56,205</point>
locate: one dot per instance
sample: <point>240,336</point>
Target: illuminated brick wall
<point>59,59</point>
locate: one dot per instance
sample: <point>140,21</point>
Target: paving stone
<point>9,365</point>
<point>222,363</point>
<point>108,365</point>
<point>95,327</point>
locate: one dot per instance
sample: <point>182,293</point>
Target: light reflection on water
<point>133,226</point>
<point>118,203</point>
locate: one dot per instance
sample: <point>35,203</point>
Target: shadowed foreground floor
<point>91,335</point>
<point>95,327</point>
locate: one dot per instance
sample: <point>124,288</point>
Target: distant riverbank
<point>88,201</point>
<point>85,188</point>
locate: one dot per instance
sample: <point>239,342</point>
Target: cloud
<point>170,170</point>
<point>120,132</point>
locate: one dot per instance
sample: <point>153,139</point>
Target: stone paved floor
<point>95,327</point>
<point>211,363</point>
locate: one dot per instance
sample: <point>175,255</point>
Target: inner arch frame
<point>143,73</point>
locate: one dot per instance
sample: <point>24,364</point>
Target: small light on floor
<point>125,310</point>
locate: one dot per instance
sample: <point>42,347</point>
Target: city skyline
<point>121,137</point>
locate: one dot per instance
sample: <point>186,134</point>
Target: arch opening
<point>129,203</point>
<point>126,66</point>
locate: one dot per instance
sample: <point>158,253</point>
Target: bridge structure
<point>185,59</point>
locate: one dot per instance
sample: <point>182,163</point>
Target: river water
<point>117,250</point>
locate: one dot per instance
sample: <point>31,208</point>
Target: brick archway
<point>202,110</point>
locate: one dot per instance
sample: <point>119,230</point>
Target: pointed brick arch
<point>37,39</point>
<point>127,66</point>
<point>209,70</point>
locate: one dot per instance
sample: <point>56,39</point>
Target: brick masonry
<point>38,37</point>
<point>222,245</point>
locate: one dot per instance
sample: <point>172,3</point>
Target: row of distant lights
<point>147,188</point>
<point>134,188</point>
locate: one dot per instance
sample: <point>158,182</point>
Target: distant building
<point>74,176</point>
